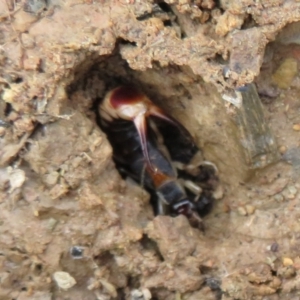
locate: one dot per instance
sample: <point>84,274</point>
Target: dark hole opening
<point>18,80</point>
<point>94,81</point>
<point>167,23</point>
<point>164,6</point>
<point>8,109</point>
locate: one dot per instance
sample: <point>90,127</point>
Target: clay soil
<point>63,205</point>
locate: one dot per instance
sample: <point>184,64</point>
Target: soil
<point>71,227</point>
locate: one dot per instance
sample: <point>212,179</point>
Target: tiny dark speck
<point>76,252</point>
<point>274,247</point>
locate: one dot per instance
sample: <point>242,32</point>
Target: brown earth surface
<point>70,227</point>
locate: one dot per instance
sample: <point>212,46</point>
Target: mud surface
<point>70,227</point>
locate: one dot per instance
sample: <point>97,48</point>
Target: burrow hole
<point>169,87</point>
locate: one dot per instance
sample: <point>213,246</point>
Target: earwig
<point>160,177</point>
<point>137,130</point>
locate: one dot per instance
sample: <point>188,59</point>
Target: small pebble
<point>64,280</point>
<point>147,294</point>
<point>250,209</point>
<point>52,223</point>
<point>296,127</point>
<point>16,178</point>
<point>136,295</point>
<point>274,247</point>
<point>77,252</point>
<point>208,263</point>
<point>271,259</point>
<point>51,179</point>
<point>144,294</point>
<point>218,193</point>
<point>282,149</point>
<point>292,189</point>
<point>286,261</point>
<point>77,161</point>
<point>287,194</point>
<point>242,211</point>
<point>278,198</point>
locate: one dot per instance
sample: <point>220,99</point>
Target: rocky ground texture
<point>70,227</point>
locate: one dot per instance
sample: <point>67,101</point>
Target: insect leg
<point>186,207</point>
<point>192,187</point>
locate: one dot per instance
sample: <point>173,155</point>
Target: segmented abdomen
<point>128,154</point>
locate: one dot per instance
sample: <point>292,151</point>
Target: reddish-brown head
<point>125,95</point>
<point>127,103</point>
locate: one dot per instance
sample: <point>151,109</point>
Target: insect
<point>149,146</point>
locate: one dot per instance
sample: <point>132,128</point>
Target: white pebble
<point>16,178</point>
<point>64,280</point>
<point>278,198</point>
<point>143,294</point>
<point>147,294</point>
<point>218,193</point>
<point>242,211</point>
<point>250,209</point>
